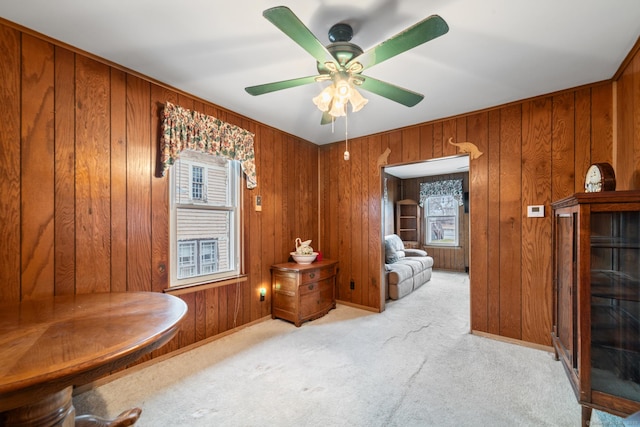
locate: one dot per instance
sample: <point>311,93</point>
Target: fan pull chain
<point>346,135</point>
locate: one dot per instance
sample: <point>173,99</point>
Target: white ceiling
<point>496,51</point>
<point>433,167</point>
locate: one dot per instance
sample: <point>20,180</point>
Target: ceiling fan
<point>343,62</point>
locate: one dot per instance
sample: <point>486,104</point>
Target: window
<point>205,217</point>
<point>186,259</point>
<point>197,182</point>
<point>208,256</point>
<point>441,217</point>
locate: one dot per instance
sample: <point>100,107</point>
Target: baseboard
<point>105,380</point>
<point>548,349</point>
<point>361,307</point>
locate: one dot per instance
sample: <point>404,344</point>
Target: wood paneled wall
<point>83,210</point>
<point>82,206</point>
<point>535,151</point>
<point>627,150</point>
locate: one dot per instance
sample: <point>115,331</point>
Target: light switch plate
<point>258,203</point>
<point>535,211</point>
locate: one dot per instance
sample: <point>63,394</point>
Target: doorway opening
<point>437,192</point>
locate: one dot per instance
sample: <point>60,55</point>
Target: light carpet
<point>415,364</point>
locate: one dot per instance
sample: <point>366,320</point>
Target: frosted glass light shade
<point>357,100</point>
<point>323,100</point>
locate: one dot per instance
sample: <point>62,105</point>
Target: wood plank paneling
<point>140,169</point>
<point>411,144</point>
<point>582,139</point>
<point>263,225</point>
<point>506,300</point>
<point>92,176</point>
<point>37,169</point>
<point>477,128</point>
<point>426,142</point>
<point>494,154</point>
<point>602,128</point>
<point>10,109</point>
<point>530,321</point>
<point>624,154</point>
<point>345,273</point>
<point>65,253</point>
<point>449,130</point>
<point>375,293</point>
<point>118,235</point>
<point>358,222</point>
<point>635,123</point>
<point>394,141</point>
<point>563,145</point>
<point>438,137</point>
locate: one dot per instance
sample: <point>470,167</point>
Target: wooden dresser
<point>302,292</point>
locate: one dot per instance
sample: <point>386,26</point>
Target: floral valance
<point>450,187</point>
<point>184,129</point>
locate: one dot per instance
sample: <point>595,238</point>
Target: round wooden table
<point>49,345</point>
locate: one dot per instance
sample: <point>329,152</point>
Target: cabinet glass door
<point>615,303</point>
<point>566,324</point>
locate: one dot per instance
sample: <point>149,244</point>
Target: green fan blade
<point>283,18</point>
<point>425,30</point>
<point>392,92</point>
<point>285,84</point>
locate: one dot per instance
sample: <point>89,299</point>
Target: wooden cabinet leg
<point>586,416</point>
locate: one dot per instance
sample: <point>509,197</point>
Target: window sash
<point>197,182</point>
<point>208,256</point>
<point>186,259</point>
<point>441,218</point>
<point>211,224</point>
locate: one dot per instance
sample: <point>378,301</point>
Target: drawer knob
<point>311,287</point>
<point>312,275</point>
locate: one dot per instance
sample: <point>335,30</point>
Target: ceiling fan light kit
<point>342,62</point>
<point>334,99</point>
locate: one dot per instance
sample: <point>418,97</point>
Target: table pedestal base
<point>57,410</point>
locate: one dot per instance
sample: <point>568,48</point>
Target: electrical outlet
<point>352,285</point>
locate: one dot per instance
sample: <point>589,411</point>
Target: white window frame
<point>214,258</point>
<point>233,208</point>
<point>193,183</point>
<point>189,262</point>
<point>431,221</point>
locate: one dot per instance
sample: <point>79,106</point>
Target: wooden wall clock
<point>599,177</point>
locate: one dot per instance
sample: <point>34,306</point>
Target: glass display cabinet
<point>596,310</point>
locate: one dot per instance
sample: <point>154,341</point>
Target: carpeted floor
<point>415,364</point>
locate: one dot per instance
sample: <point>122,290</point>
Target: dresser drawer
<point>285,300</point>
<point>285,281</point>
<point>317,274</point>
<point>319,301</point>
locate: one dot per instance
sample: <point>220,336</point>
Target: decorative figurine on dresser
<point>596,304</point>
<point>303,290</point>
